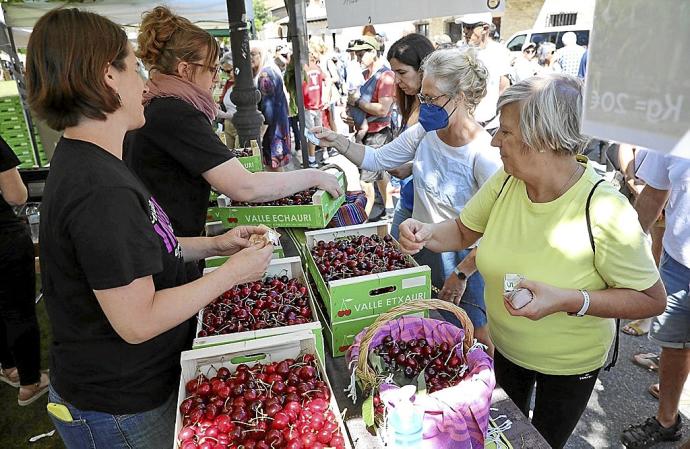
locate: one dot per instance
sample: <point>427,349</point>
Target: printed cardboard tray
<point>370,295</point>
<point>265,350</point>
<point>313,216</point>
<point>292,268</point>
<point>339,336</point>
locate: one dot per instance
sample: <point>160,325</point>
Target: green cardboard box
<point>290,267</point>
<point>314,216</point>
<point>340,336</point>
<point>365,296</point>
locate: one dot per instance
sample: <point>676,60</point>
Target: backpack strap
<point>616,341</point>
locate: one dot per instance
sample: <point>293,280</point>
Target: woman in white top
<point>452,157</point>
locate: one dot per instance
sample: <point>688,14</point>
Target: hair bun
<point>157,28</point>
<point>475,64</point>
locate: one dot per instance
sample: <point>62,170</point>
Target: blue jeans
<point>671,329</point>
<point>97,430</point>
<point>442,265</point>
<point>399,215</point>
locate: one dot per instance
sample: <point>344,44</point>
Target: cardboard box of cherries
<point>360,271</point>
<point>307,209</point>
<point>281,303</point>
<point>270,393</point>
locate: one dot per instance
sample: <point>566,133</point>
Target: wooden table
<point>522,435</point>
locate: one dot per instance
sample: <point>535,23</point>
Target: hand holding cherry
<point>414,235</point>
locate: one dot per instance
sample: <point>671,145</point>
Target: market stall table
<point>522,435</point>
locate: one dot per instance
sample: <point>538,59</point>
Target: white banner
<point>638,89</point>
<point>350,13</point>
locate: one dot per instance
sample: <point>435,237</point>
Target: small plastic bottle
<point>405,421</point>
<point>33,216</point>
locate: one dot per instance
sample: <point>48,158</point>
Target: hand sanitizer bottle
<point>405,421</point>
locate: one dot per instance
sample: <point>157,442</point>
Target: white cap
<point>482,17</point>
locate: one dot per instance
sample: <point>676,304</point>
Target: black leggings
<point>294,125</point>
<point>559,402</point>
<point>19,334</point>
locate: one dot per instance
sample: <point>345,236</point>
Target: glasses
<point>426,99</point>
<point>471,26</point>
<point>213,69</point>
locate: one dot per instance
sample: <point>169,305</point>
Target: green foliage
<point>261,14</point>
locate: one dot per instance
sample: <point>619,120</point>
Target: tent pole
<point>248,119</point>
<point>18,75</point>
<point>297,34</point>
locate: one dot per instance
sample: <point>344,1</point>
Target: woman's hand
<point>249,264</point>
<point>414,235</point>
<point>453,289</point>
<point>328,182</point>
<point>327,138</point>
<point>547,300</point>
<point>236,239</point>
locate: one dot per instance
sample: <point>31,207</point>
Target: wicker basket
<point>363,371</point>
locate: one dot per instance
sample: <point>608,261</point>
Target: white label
<point>414,282</point>
<point>510,281</point>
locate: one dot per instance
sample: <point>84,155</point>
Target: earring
<point>119,99</point>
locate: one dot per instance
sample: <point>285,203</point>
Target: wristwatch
<point>462,276</point>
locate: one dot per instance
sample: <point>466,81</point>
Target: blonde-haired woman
<point>177,153</point>
<point>575,240</point>
<point>452,157</point>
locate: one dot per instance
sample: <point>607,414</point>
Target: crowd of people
<point>485,151</point>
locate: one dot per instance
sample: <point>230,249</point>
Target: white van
<point>557,17</point>
<point>550,34</point>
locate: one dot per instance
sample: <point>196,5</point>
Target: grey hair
<point>544,49</point>
<point>458,71</point>
<point>226,59</point>
<point>550,112</point>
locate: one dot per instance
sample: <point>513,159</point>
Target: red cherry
<point>280,421</point>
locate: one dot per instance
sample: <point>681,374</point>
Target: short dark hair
<point>410,50</point>
<point>67,54</point>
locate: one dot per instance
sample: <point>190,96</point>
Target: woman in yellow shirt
<point>576,243</point>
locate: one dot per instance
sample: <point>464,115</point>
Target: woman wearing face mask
<point>406,56</point>
<point>452,157</point>
<point>177,153</point>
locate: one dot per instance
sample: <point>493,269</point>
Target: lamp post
<point>247,120</point>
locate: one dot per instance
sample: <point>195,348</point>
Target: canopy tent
<point>21,17</point>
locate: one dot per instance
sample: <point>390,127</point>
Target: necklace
<point>567,183</point>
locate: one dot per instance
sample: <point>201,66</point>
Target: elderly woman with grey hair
<point>573,243</point>
<point>452,157</point>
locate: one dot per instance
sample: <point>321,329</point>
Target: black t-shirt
<point>169,154</point>
<point>101,229</point>
<point>8,160</point>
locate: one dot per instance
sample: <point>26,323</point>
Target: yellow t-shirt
<point>549,242</point>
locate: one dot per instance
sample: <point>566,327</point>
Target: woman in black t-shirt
<point>20,349</point>
<point>112,268</point>
<point>177,154</point>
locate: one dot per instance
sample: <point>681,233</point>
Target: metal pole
<point>248,119</point>
<point>297,34</point>
<point>18,75</point>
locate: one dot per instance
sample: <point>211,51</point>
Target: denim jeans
<point>671,329</point>
<point>399,215</point>
<point>97,430</point>
<point>442,265</point>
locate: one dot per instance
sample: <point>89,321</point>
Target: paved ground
<point>620,398</point>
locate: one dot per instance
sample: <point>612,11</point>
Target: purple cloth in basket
<point>456,417</point>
